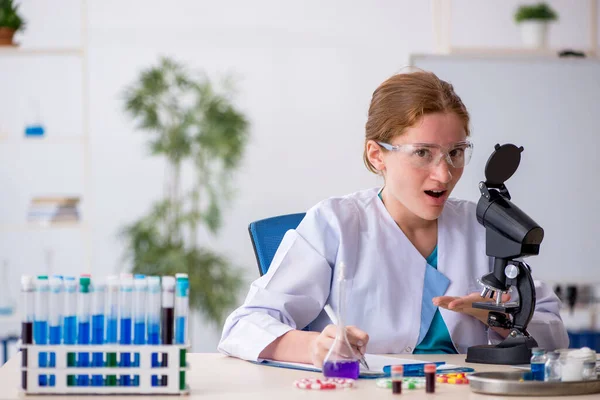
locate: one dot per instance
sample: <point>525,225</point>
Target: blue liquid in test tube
<point>140,289</point>
<point>56,307</point>
<point>70,323</point>
<point>153,313</point>
<point>83,332</point>
<point>182,310</point>
<point>125,319</point>
<point>40,322</point>
<point>98,290</point>
<point>182,305</point>
<point>112,294</point>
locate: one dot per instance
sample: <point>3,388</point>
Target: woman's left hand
<point>465,304</point>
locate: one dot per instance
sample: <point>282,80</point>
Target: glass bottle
<point>538,363</point>
<point>7,303</point>
<point>589,371</point>
<point>553,367</point>
<point>341,360</point>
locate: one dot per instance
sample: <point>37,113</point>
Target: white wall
<point>306,71</point>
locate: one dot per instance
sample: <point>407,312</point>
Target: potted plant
<point>533,21</point>
<point>194,125</point>
<point>10,22</point>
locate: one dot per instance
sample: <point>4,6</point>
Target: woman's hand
<point>321,344</point>
<point>465,304</point>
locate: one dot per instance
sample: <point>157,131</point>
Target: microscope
<point>510,235</point>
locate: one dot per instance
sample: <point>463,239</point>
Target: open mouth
<point>435,193</point>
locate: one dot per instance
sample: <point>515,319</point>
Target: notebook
<point>379,366</point>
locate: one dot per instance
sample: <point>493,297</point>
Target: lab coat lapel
<point>452,253</point>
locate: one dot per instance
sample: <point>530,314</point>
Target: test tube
<point>56,306</point>
<point>40,322</point>
<point>430,370</point>
<point>182,305</point>
<point>70,323</point>
<point>98,290</point>
<point>113,289</point>
<point>397,376</point>
<point>83,322</point>
<point>125,319</point>
<point>28,304</point>
<point>167,315</point>
<point>154,319</point>
<point>140,288</point>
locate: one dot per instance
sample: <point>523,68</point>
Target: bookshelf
<point>442,29</point>
<point>26,54</point>
<point>36,141</point>
<point>19,51</point>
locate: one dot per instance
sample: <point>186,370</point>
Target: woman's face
<point>420,186</point>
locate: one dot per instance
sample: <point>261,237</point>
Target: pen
<point>333,319</point>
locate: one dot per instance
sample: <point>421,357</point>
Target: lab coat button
<point>408,349</point>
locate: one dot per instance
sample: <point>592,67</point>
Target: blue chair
<point>266,235</point>
<point>5,341</point>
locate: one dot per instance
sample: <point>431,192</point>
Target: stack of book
<point>48,210</point>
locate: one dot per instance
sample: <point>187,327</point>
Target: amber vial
<point>397,375</point>
<point>430,378</point>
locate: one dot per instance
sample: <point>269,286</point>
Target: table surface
<point>214,376</point>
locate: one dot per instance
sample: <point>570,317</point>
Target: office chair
<point>266,235</point>
<point>5,341</point>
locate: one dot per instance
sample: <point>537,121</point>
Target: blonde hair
<point>402,100</point>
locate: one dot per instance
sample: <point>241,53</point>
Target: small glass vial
<point>538,363</point>
<point>589,371</point>
<point>397,376</point>
<point>430,370</point>
<point>553,367</point>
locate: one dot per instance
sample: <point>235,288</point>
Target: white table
<point>214,376</point>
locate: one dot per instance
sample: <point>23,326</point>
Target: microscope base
<point>492,354</point>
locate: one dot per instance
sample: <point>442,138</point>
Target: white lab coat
<point>386,275</point>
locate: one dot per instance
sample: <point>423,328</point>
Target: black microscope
<point>510,235</point>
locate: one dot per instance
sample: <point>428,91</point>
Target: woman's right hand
<point>321,344</point>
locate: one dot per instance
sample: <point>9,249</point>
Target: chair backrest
<point>266,235</point>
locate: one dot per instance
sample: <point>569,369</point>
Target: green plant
<point>9,16</point>
<point>539,12</point>
<point>192,124</point>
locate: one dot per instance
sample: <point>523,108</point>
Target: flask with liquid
<point>7,304</point>
<point>538,363</point>
<point>342,361</point>
<point>33,124</point>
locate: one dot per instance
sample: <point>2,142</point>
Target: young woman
<point>412,254</point>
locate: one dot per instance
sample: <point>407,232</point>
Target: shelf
<point>32,51</point>
<point>11,139</point>
<point>31,226</point>
<point>519,52</point>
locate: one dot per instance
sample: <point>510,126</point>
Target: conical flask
<point>342,361</point>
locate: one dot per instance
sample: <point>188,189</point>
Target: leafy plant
<point>192,124</point>
<point>539,12</point>
<point>9,16</point>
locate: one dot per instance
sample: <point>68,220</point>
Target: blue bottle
<point>538,363</point>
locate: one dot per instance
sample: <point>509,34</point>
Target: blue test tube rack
<point>144,371</point>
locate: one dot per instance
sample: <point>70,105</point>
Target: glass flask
<point>342,361</point>
<point>7,303</point>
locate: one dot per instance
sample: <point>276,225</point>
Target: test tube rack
<point>175,371</point>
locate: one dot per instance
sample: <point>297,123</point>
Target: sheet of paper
<point>376,364</point>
